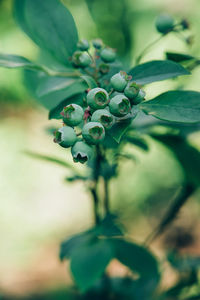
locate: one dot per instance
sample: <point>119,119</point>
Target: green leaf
<point>114,33</point>
<point>14,61</point>
<point>88,263</point>
<point>47,158</point>
<point>187,155</point>
<point>55,112</point>
<point>137,141</point>
<point>52,84</point>
<point>75,242</point>
<point>109,227</point>
<point>55,98</point>
<point>90,81</point>
<point>157,70</point>
<point>137,258</point>
<point>119,129</point>
<point>178,57</point>
<point>174,106</point>
<point>49,24</point>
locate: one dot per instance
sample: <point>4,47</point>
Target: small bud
<point>132,90</point>
<point>104,68</point>
<point>104,117</point>
<point>140,97</point>
<point>164,23</point>
<point>83,45</point>
<point>97,43</point>
<point>72,114</point>
<point>81,152</point>
<point>119,106</point>
<point>119,81</point>
<point>81,59</point>
<point>93,132</point>
<point>108,55</point>
<point>65,137</point>
<point>97,98</point>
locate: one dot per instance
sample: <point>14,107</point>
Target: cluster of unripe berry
<point>100,112</point>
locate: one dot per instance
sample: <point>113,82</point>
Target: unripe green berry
<point>119,106</point>
<point>81,59</point>
<point>93,132</point>
<point>65,137</point>
<point>132,90</point>
<point>97,43</point>
<point>104,117</point>
<point>140,97</point>
<point>83,45</point>
<point>97,98</point>
<point>108,55</point>
<point>119,81</point>
<point>164,23</point>
<point>72,114</point>
<point>81,152</point>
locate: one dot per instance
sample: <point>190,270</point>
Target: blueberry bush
<point>96,98</point>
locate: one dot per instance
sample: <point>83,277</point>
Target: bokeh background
<point>38,208</point>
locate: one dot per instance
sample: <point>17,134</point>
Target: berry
<point>97,98</point>
<point>132,90</point>
<point>119,106</point>
<point>108,55</point>
<point>104,117</point>
<point>93,132</point>
<point>83,45</point>
<point>81,152</point>
<point>65,137</point>
<point>164,23</point>
<point>72,114</point>
<point>140,97</point>
<point>119,81</point>
<point>81,59</point>
<point>97,43</point>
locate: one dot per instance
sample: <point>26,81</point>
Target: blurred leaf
<point>171,213</point>
<point>187,155</point>
<point>184,263</point>
<point>49,24</point>
<point>109,227</point>
<point>138,259</point>
<point>90,81</point>
<point>76,178</point>
<point>156,70</point>
<point>75,242</point>
<point>178,57</point>
<point>50,159</point>
<point>174,106</point>
<point>118,129</point>
<point>107,170</point>
<point>14,61</point>
<point>112,19</point>
<point>55,112</point>
<point>88,263</point>
<point>137,141</point>
<point>52,84</point>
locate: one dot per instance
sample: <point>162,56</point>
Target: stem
<point>138,59</point>
<point>106,197</point>
<point>93,189</point>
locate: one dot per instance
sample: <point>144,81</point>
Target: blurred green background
<point>38,209</point>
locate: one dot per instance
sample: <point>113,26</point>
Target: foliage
<point>82,81</point>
